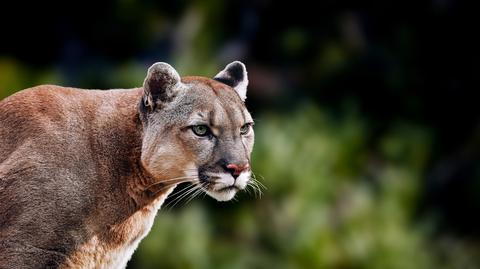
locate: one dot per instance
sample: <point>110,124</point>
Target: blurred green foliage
<point>15,76</point>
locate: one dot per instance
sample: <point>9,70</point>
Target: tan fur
<point>84,172</point>
<point>38,115</point>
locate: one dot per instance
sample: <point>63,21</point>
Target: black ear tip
<point>233,74</point>
<point>236,70</point>
<point>237,63</point>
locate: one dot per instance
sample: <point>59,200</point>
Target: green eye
<point>200,130</point>
<point>245,129</point>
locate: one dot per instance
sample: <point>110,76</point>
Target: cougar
<point>84,172</point>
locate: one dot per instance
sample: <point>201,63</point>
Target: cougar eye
<point>200,130</point>
<point>245,129</point>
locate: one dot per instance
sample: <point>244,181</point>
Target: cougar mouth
<point>223,186</point>
<point>228,188</point>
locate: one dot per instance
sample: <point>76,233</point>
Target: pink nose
<point>237,169</point>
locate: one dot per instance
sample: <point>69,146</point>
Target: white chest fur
<point>121,255</point>
<point>99,254</point>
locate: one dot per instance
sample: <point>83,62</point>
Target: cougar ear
<point>160,86</point>
<point>235,76</point>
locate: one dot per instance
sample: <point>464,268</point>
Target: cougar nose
<point>235,169</point>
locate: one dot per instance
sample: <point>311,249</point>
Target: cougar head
<point>198,129</point>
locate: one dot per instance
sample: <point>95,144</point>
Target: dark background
<point>368,135</point>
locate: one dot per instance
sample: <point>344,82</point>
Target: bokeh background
<point>367,123</point>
